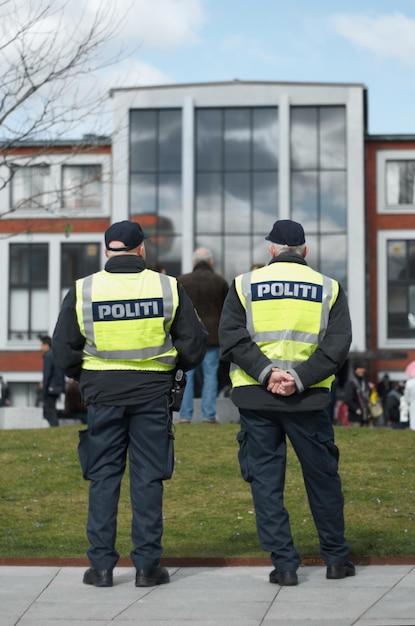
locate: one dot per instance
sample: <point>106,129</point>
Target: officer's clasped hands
<point>281,382</point>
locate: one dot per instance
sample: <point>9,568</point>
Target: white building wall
<point>283,95</point>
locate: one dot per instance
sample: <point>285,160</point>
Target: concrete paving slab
<point>379,595</point>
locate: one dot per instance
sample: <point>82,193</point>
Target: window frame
<point>382,158</point>
<point>383,237</point>
<point>54,208</point>
<point>29,335</point>
<point>44,194</point>
<point>84,208</point>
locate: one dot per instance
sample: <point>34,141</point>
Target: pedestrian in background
<point>207,290</point>
<point>357,393</point>
<point>122,333</point>
<point>53,382</point>
<point>286,330</point>
<point>393,405</point>
<point>4,393</point>
<point>409,395</point>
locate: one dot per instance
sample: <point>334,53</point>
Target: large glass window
<point>29,292</point>
<point>401,289</point>
<point>400,178</point>
<point>318,184</point>
<point>29,187</point>
<point>78,260</point>
<point>82,186</point>
<point>155,182</point>
<point>236,183</point>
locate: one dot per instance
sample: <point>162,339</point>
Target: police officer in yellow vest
<point>123,333</point>
<point>286,330</point>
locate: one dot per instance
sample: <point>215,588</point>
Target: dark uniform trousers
<point>262,458</point>
<point>145,431</point>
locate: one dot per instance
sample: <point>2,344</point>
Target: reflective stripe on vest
<point>300,290</point>
<point>140,320</point>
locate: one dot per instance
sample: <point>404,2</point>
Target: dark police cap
<point>287,233</point>
<point>130,233</point>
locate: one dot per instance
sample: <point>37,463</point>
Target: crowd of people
<point>364,403</point>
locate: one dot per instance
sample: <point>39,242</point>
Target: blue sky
<point>369,42</point>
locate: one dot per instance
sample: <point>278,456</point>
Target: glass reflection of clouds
<point>237,139</point>
<point>303,138</point>
<point>170,199</point>
<point>304,199</point>
<point>143,191</point>
<point>237,255</point>
<point>209,140</point>
<point>143,141</point>
<point>237,203</point>
<point>208,216</point>
<point>236,194</point>
<point>318,138</point>
<point>333,201</point>
<point>332,138</point>
<point>265,139</point>
<point>318,185</point>
<point>333,257</point>
<point>265,200</point>
<point>170,141</point>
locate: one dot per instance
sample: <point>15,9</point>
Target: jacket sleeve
<point>188,333</point>
<point>236,344</point>
<point>67,340</point>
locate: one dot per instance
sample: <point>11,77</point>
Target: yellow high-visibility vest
<point>287,310</point>
<point>126,319</point>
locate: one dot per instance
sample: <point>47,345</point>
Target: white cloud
<point>391,36</point>
<point>159,24</point>
<point>126,29</point>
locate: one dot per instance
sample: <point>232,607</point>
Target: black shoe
<point>152,577</point>
<point>340,571</point>
<point>285,579</point>
<point>98,577</point>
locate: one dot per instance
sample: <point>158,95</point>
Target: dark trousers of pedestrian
<point>49,410</point>
<point>262,457</point>
<point>144,432</point>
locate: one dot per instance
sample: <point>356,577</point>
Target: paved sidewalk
<point>379,595</point>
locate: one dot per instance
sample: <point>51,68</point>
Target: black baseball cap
<point>287,233</point>
<point>130,233</point>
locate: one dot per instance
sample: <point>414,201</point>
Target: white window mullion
<point>188,183</point>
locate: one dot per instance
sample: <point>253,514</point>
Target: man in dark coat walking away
<point>207,290</point>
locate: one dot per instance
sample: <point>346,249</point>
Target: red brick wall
<point>375,222</point>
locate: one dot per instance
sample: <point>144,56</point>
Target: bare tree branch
<point>47,66</point>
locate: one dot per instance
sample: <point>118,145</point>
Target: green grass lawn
<point>207,507</point>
